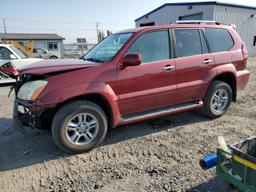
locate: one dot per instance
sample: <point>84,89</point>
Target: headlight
<point>31,90</point>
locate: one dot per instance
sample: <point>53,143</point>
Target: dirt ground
<point>157,155</point>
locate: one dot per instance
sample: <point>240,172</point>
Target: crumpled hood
<point>55,65</point>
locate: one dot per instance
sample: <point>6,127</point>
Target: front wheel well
<point>230,79</point>
<point>98,99</point>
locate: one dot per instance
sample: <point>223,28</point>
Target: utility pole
<point>4,26</point>
<point>97,31</point>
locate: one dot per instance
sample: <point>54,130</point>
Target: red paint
<point>141,87</point>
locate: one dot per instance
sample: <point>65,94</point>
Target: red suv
<point>132,76</point>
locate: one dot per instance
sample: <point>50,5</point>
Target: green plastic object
<point>238,166</point>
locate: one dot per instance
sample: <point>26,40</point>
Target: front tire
<point>79,127</point>
<point>217,99</point>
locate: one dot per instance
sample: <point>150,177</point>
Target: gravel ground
<point>157,155</point>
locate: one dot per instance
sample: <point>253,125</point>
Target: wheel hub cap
<point>219,101</point>
<point>82,129</point>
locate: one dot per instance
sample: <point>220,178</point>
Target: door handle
<point>168,68</point>
<point>207,61</point>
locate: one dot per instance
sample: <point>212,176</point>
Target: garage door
<point>198,16</point>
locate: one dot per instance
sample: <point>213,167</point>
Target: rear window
<point>219,39</point>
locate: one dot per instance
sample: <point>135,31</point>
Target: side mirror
<point>132,59</point>
<point>12,56</point>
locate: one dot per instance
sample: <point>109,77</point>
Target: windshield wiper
<point>94,60</point>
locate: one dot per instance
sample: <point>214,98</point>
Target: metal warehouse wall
<point>241,17</point>
<point>168,14</point>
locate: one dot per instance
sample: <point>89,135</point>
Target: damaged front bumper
<point>27,117</point>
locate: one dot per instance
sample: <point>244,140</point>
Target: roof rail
<point>194,21</point>
<point>201,21</point>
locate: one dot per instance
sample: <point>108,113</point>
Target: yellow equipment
<point>28,49</point>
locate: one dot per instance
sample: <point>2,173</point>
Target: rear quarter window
<point>219,39</point>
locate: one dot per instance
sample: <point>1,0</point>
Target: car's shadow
<point>17,151</point>
<point>213,185</point>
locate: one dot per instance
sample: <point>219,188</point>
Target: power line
<point>64,22</point>
<point>54,29</point>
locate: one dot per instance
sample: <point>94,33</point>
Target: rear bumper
<point>242,79</point>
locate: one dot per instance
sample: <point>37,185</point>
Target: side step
<point>125,119</point>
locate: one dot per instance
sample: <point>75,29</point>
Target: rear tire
<point>217,99</point>
<point>79,127</point>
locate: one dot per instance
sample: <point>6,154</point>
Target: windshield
<point>18,52</point>
<point>108,48</point>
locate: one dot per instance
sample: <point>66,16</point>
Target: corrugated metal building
<point>51,42</point>
<point>244,17</point>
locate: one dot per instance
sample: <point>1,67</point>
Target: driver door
<point>152,84</point>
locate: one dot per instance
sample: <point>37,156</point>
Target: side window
<point>53,46</point>
<point>5,53</point>
<point>153,46</point>
<point>188,42</point>
<point>219,39</point>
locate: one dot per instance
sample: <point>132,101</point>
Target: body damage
<point>63,86</point>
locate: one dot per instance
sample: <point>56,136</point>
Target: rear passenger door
<point>193,61</point>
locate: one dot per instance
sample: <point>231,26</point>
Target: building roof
<point>199,3</point>
<point>30,36</point>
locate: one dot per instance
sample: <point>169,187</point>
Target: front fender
<point>64,94</point>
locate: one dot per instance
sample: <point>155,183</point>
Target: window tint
<point>188,42</point>
<point>5,53</point>
<point>153,46</point>
<point>219,39</point>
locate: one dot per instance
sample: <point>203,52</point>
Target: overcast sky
<point>78,18</point>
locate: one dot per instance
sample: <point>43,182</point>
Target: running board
<point>125,119</point>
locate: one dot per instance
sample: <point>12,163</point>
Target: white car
<point>42,53</point>
<point>11,55</point>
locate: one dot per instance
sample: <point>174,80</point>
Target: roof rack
<point>195,21</point>
<point>200,22</point>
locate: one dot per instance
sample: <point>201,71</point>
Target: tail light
<point>244,52</point>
